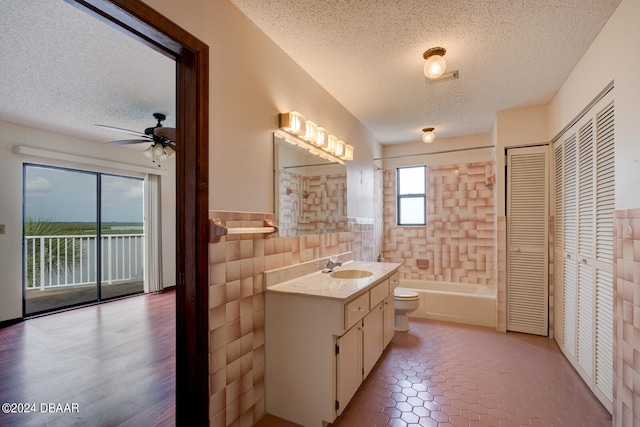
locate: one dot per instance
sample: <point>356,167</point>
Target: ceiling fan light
<point>149,152</point>
<point>170,152</point>
<point>158,150</point>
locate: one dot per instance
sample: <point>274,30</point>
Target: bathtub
<point>454,302</point>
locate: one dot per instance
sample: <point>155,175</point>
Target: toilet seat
<point>405,295</point>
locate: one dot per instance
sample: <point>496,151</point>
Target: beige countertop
<point>323,285</point>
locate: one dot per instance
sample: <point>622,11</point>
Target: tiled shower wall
<point>312,204</point>
<point>459,242</point>
<point>236,305</point>
<point>626,392</point>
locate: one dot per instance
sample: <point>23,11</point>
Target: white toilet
<point>405,302</point>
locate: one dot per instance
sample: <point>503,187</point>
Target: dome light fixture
<point>428,136</point>
<point>435,64</point>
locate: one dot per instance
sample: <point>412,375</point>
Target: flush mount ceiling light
<point>435,64</point>
<point>428,136</point>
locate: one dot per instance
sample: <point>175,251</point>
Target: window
<point>412,195</point>
<point>83,237</point>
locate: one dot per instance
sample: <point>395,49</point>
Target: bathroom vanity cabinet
<point>321,343</point>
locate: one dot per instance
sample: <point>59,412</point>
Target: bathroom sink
<point>351,274</point>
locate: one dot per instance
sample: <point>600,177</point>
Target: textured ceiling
<point>368,55</point>
<point>64,71</point>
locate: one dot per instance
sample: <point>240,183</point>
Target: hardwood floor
<point>110,364</point>
<point>37,301</point>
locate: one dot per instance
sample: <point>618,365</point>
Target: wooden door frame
<point>141,22</point>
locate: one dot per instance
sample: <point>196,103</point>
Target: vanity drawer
<point>394,281</point>
<point>379,292</point>
<point>356,310</point>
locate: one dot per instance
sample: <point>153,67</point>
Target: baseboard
<point>5,323</point>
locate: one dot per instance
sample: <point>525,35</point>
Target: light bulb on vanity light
<point>340,147</point>
<point>332,145</point>
<point>322,137</point>
<point>348,152</point>
<point>311,132</point>
<point>293,123</point>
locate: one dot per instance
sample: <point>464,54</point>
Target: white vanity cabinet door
<point>348,366</point>
<point>389,319</point>
<point>372,338</point>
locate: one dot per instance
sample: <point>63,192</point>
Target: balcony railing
<point>59,261</point>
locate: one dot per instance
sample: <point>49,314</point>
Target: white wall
<point>251,81</point>
<point>11,166</point>
<point>443,151</point>
<point>517,128</point>
<point>613,56</point>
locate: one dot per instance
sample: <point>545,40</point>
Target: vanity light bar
<point>295,124</point>
<point>295,140</point>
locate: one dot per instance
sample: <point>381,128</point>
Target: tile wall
<point>626,393</point>
<point>292,190</point>
<point>236,305</point>
<point>459,241</point>
<point>312,204</point>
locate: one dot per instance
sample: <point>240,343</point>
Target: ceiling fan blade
<point>130,132</point>
<point>169,133</point>
<point>129,141</point>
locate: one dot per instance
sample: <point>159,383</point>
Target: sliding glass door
<point>83,237</point>
<point>122,236</point>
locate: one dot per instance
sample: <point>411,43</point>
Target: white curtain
<point>153,235</point>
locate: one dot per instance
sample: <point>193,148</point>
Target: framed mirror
<point>310,192</point>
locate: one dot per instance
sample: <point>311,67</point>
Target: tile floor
<point>445,374</point>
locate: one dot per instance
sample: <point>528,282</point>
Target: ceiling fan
<point>162,139</point>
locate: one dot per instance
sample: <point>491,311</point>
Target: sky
<point>65,195</point>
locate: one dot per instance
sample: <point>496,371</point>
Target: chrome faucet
<point>331,264</point>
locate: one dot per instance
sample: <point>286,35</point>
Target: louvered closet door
<point>527,259</point>
<point>569,229</point>
<point>558,242</point>
<point>584,184</point>
<point>604,206</point>
<point>585,294</point>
